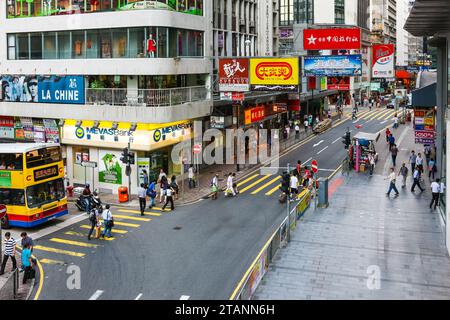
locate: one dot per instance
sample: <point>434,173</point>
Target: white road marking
<point>307,161</point>
<point>184,297</point>
<point>336,140</point>
<point>96,295</point>
<point>317,144</point>
<point>322,150</point>
<point>328,170</point>
<point>139,296</point>
<point>384,121</point>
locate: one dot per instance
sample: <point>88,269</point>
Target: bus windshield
<point>41,157</point>
<point>44,193</point>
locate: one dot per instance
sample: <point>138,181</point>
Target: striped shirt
<point>9,246</point>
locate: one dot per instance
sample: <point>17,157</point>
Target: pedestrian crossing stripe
<point>247,180</point>
<point>381,115</point>
<point>74,243</point>
<point>272,191</point>
<point>132,218</point>
<point>80,234</point>
<point>125,224</point>
<point>369,114</point>
<point>159,209</point>
<point>119,231</point>
<point>138,212</point>
<point>388,115</point>
<point>254,183</point>
<point>50,261</point>
<point>60,251</point>
<point>266,185</point>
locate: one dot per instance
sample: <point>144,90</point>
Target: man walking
<point>169,198</point>
<point>191,177</point>
<point>142,198</point>
<point>151,192</point>
<point>416,177</point>
<point>297,131</point>
<point>435,190</point>
<point>26,263</point>
<point>10,252</point>
<point>412,160</point>
<point>391,141</point>
<point>108,222</point>
<point>404,173</point>
<point>294,185</point>
<point>371,163</point>
<point>392,186</point>
<point>306,124</point>
<point>394,152</point>
<point>419,163</point>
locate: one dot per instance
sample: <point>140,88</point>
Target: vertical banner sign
<point>332,39</point>
<point>233,75</point>
<point>383,61</point>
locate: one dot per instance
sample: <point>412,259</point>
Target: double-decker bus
<point>31,183</point>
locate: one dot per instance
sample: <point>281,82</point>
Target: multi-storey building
<point>415,44</point>
<point>105,74</point>
<point>383,17</point>
<point>402,39</point>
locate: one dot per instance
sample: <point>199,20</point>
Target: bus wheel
<point>5,222</point>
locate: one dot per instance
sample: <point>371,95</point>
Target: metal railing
<point>145,97</point>
<point>10,289</point>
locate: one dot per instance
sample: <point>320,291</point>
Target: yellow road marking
<point>254,183</point>
<point>159,209</point>
<point>374,115</point>
<point>119,231</point>
<point>79,234</point>
<point>369,114</point>
<point>247,180</point>
<point>266,185</point>
<point>41,278</point>
<point>50,261</point>
<point>390,115</point>
<point>273,190</point>
<point>60,251</point>
<point>384,114</point>
<point>132,218</point>
<point>154,214</point>
<point>125,224</point>
<point>74,243</point>
<point>363,113</point>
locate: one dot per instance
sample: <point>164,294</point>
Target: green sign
<point>5,179</point>
<point>109,168</point>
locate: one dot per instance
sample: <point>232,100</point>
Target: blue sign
<point>346,65</point>
<point>64,89</point>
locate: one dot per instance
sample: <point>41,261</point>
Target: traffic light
<point>346,140</point>
<point>124,157</point>
<point>131,157</point>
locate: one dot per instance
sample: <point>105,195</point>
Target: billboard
<point>274,74</point>
<point>338,83</point>
<point>19,88</point>
<point>254,115</point>
<point>332,39</point>
<point>65,89</point>
<point>233,75</point>
<point>348,65</point>
<point>383,61</point>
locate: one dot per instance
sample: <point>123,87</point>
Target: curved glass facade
<point>140,42</point>
<point>39,8</point>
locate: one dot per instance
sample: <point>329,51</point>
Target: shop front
<point>23,129</point>
<point>103,143</point>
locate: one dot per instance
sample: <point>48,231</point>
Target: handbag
<point>111,222</point>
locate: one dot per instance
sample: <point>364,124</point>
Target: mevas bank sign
<point>64,89</point>
<point>88,133</point>
<point>169,132</point>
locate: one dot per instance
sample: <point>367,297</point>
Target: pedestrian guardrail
<point>279,239</point>
<point>10,289</point>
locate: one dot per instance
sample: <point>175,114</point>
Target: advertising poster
<point>383,61</point>
<point>338,83</point>
<point>109,169</point>
<point>78,157</point>
<point>332,39</point>
<point>258,272</point>
<point>5,179</point>
<point>348,65</point>
<point>274,74</point>
<point>233,75</point>
<point>65,89</point>
<point>143,164</point>
<point>323,83</point>
<point>19,88</point>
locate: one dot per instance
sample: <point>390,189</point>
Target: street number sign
<point>314,166</point>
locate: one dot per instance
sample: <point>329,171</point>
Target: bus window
<point>11,161</point>
<point>41,157</point>
<point>46,192</point>
<point>12,197</point>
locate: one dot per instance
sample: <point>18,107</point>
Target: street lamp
<point>248,42</point>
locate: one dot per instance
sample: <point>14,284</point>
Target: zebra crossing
<point>376,114</point>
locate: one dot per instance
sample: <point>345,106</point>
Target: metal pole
<point>182,174</point>
<point>288,233</point>
<point>129,177</point>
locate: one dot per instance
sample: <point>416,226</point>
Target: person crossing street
<point>10,252</point>
<point>169,198</point>
<point>142,198</point>
<point>108,222</point>
<point>392,186</point>
<point>404,173</point>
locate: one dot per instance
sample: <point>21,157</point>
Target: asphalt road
<point>199,251</point>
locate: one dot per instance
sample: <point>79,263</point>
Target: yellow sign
<point>429,121</point>
<point>274,71</point>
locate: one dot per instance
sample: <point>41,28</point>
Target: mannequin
<point>151,47</point>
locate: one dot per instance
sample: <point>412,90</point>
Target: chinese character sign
<point>273,74</point>
<point>65,89</point>
<point>332,39</point>
<point>233,75</point>
<point>346,65</point>
<point>383,61</point>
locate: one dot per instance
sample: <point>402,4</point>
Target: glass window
<point>46,192</point>
<point>339,11</point>
<point>150,45</point>
<point>162,43</point>
<point>64,50</point>
<point>183,43</point>
<point>36,45</point>
<point>41,157</point>
<point>119,40</point>
<point>137,42</point>
<point>11,161</point>
<point>11,47</point>
<point>105,44</point>
<point>12,197</point>
<point>92,44</point>
<point>23,50</point>
<point>173,43</point>
<point>78,45</point>
<point>49,45</point>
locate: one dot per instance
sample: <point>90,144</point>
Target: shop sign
<point>280,107</point>
<point>338,83</point>
<point>20,134</point>
<point>429,121</point>
<point>234,75</point>
<point>7,132</point>
<point>345,65</point>
<point>254,115</point>
<point>323,83</point>
<point>7,122</point>
<point>424,141</point>
<point>143,164</point>
<point>65,89</point>
<point>47,173</point>
<point>274,74</point>
<point>312,82</point>
<point>218,122</point>
<point>109,168</point>
<point>5,179</point>
<point>331,39</point>
<point>424,134</point>
<point>375,86</point>
<point>232,96</point>
<point>383,60</point>
<point>286,33</point>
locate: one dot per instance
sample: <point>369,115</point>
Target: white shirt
<point>419,161</point>
<point>294,182</point>
<point>306,123</point>
<point>106,215</point>
<point>191,173</point>
<point>442,188</point>
<point>416,174</point>
<point>297,128</point>
<point>392,177</point>
<point>141,192</point>
<point>168,192</point>
<point>230,182</point>
<point>395,120</point>
<point>162,174</point>
<point>214,181</point>
<point>435,187</point>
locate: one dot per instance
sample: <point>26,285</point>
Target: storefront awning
<point>425,96</point>
<point>428,17</point>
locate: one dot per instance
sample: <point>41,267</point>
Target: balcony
<point>145,97</point>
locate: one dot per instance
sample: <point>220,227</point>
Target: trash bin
<point>123,194</point>
<point>69,191</point>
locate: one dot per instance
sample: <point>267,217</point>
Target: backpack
<point>92,217</point>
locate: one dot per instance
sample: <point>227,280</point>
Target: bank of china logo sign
<point>79,133</point>
<point>157,135</point>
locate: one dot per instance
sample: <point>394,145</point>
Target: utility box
<point>323,193</point>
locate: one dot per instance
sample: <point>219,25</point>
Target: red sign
<point>424,134</point>
<point>232,96</point>
<point>234,75</point>
<point>255,115</point>
<point>2,211</point>
<point>197,148</point>
<point>338,83</point>
<point>314,166</point>
<point>6,121</point>
<point>312,83</point>
<point>280,107</point>
<point>329,39</point>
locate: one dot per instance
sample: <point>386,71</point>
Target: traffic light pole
<point>129,171</point>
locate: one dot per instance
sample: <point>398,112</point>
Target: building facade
<point>105,75</point>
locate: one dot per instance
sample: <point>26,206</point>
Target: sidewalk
<point>365,245</point>
<point>6,282</point>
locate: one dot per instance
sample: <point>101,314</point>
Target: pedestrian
<point>306,124</point>
<point>391,141</point>
<point>404,173</point>
<point>395,121</point>
<point>388,134</point>
<point>419,163</point>
<point>442,191</point>
<point>26,240</point>
<point>298,169</point>
<point>416,177</point>
<point>230,183</point>
<point>174,186</point>
<point>310,120</point>
<point>297,131</point>
<point>392,186</point>
<point>394,153</point>
<point>142,195</point>
<point>317,119</point>
<point>306,177</point>
<point>10,252</point>
<point>26,263</point>
<point>87,196</point>
<point>191,177</point>
<point>432,168</point>
<point>145,178</point>
<point>288,131</point>
<point>151,193</point>
<point>162,176</point>
<point>108,222</point>
<point>162,188</point>
<point>435,191</point>
<point>371,163</point>
<point>215,187</point>
<point>427,152</point>
<point>169,198</point>
<point>98,225</point>
<point>412,160</point>
<point>93,216</point>
<point>294,185</point>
